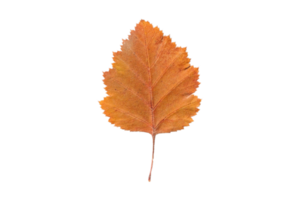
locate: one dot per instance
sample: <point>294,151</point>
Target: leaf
<point>150,87</point>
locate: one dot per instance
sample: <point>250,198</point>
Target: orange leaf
<point>150,87</point>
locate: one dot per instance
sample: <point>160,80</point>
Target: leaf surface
<point>150,87</point>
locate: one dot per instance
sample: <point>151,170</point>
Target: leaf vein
<point>132,92</point>
<point>131,115</point>
<point>132,71</point>
<point>161,48</point>
<point>175,86</point>
<point>173,112</point>
<point>165,70</point>
<point>138,57</point>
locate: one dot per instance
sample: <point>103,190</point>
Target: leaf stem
<point>153,142</point>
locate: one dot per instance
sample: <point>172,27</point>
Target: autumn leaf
<point>150,87</point>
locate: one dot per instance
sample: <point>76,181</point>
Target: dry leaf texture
<point>150,87</point>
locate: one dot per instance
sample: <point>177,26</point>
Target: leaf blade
<point>150,87</point>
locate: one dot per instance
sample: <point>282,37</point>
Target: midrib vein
<point>150,82</point>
